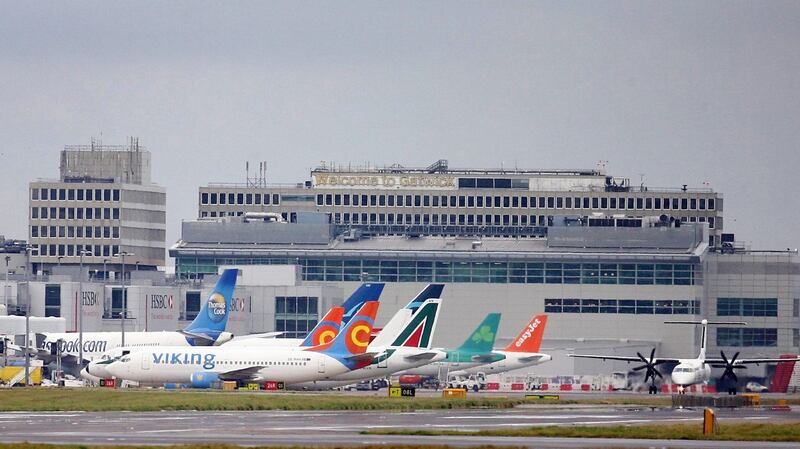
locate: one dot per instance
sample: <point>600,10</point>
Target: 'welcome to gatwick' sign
<point>379,181</point>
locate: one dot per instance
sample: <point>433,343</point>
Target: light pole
<point>124,295</point>
<point>80,308</point>
<point>5,286</point>
<point>59,260</point>
<point>105,273</point>
<point>28,249</point>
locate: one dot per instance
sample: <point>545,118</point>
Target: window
<point>295,315</point>
<point>747,337</point>
<point>192,305</point>
<point>747,306</point>
<point>52,300</point>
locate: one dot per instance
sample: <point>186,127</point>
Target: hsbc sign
<point>160,301</point>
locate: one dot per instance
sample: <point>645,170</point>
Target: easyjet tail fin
<point>530,338</point>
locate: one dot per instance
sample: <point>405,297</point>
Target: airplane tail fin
<point>482,339</point>
<point>353,337</point>
<point>327,329</point>
<point>704,331</point>
<point>365,292</point>
<point>430,291</point>
<point>418,332</point>
<point>530,338</point>
<point>214,313</point>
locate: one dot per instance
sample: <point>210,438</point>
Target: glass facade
<point>747,306</point>
<point>52,300</point>
<point>295,316</point>
<point>499,272</point>
<point>625,306</point>
<point>747,337</point>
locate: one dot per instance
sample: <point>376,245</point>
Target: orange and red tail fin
<point>353,337</point>
<point>530,339</point>
<point>327,328</point>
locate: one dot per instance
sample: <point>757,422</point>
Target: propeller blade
<point>652,355</point>
<point>639,368</point>
<point>724,358</point>
<point>735,356</point>
<point>658,373</point>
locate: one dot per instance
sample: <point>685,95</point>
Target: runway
<point>343,428</point>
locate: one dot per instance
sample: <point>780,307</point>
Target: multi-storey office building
<point>104,203</point>
<point>440,196</point>
<point>608,289</point>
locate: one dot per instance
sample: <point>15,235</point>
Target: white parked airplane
<point>200,366</point>
<point>208,328</point>
<point>689,371</point>
<point>522,352</point>
<point>404,343</point>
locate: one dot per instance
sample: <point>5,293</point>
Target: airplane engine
<point>224,337</point>
<point>203,379</point>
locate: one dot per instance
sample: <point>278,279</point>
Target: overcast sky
<point>677,92</point>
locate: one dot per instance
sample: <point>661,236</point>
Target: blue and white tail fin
<point>210,322</point>
<point>365,292</point>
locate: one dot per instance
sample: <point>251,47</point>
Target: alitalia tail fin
<point>418,332</point>
<point>530,338</point>
<point>482,339</point>
<point>327,329</point>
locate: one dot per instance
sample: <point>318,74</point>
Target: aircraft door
<point>321,365</point>
<point>145,362</point>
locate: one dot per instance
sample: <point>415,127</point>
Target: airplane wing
<point>241,374</point>
<point>261,335</point>
<point>530,358</point>
<point>35,352</point>
<point>368,356</point>
<point>487,358</point>
<point>427,355</point>
<point>721,362</point>
<point>622,358</point>
<point>204,337</point>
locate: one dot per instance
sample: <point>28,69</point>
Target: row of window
<point>79,232</point>
<point>445,219</point>
<point>452,201</point>
<point>449,271</point>
<point>74,250</point>
<point>747,336</point>
<point>629,306</point>
<point>747,306</point>
<point>45,194</point>
<point>242,198</point>
<point>75,213</point>
<point>525,202</point>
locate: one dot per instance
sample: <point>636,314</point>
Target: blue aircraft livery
<point>207,361</point>
<point>213,316</point>
<point>364,293</point>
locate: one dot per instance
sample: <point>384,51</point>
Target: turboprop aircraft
<point>693,370</point>
<point>200,366</point>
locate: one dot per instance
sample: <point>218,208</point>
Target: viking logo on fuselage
<point>217,307</point>
<point>207,361</point>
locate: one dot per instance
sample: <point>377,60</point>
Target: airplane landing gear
<point>681,389</point>
<point>652,390</point>
<point>732,391</point>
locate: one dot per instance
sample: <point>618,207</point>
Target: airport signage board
<point>384,181</point>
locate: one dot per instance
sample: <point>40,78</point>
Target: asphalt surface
<point>342,428</point>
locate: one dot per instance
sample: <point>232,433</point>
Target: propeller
<point>730,366</point>
<point>650,366</point>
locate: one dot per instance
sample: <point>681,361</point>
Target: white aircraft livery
<point>200,366</point>
<point>208,328</point>
<point>689,371</point>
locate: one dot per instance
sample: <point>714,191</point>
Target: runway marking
<point>167,431</point>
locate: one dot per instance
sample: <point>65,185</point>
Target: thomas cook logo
<point>359,337</point>
<point>528,332</point>
<point>217,308</point>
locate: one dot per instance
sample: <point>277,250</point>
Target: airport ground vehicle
<point>474,382</point>
<point>755,387</point>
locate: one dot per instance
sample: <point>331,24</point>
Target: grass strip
<point>226,446</point>
<point>727,432</point>
<point>101,399</point>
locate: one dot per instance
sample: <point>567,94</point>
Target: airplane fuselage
<point>690,372</point>
<point>95,344</point>
<point>178,364</point>
<point>512,361</point>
